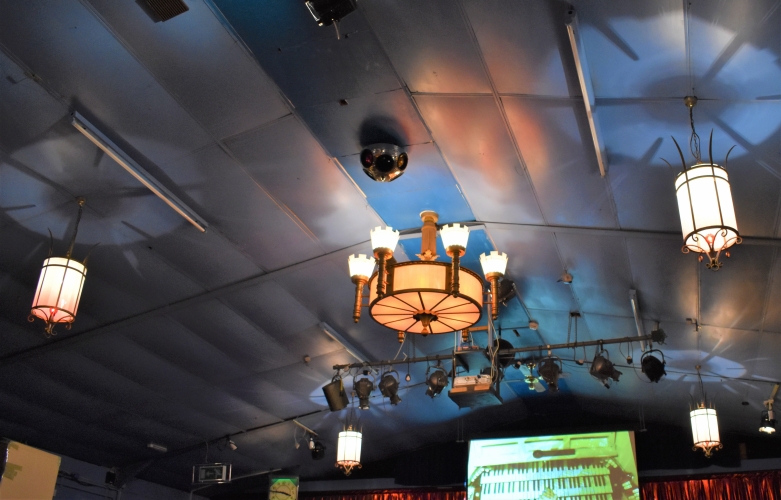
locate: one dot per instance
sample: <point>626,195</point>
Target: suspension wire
<point>694,140</point>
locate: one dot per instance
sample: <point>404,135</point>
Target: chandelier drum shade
<point>348,450</point>
<point>418,298</point>
<point>60,285</point>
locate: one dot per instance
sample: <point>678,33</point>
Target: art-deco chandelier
<point>424,296</point>
<point>705,202</point>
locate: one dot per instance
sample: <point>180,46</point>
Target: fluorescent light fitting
<point>584,76</point>
<point>351,349</point>
<point>157,447</point>
<point>100,140</point>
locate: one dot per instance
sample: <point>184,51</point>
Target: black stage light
<point>335,394</point>
<point>363,389</point>
<point>389,386</point>
<point>318,452</point>
<point>603,369</point>
<point>326,12</point>
<point>768,423</point>
<point>505,360</point>
<point>436,381</point>
<point>550,369</point>
<point>652,366</point>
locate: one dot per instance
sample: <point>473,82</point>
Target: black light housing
<point>389,386</point>
<point>318,452</point>
<point>768,423</point>
<point>652,366</point>
<point>436,381</point>
<point>326,12</point>
<point>504,360</point>
<point>335,394</point>
<point>550,369</point>
<point>363,389</point>
<point>603,369</point>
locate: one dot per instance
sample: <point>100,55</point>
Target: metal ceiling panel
<point>534,265</point>
<point>307,61</point>
<point>734,297</point>
<point>766,357</point>
<point>198,61</point>
<point>272,398</point>
<point>107,385</point>
<point>271,307</point>
<point>553,329</point>
<point>471,133</point>
<point>16,338</point>
<point>31,385</point>
<point>82,62</point>
<point>388,117</point>
<point>665,278</point>
<point>601,272</point>
<point>772,318</point>
<point>23,194</point>
<point>186,350</point>
<point>148,369</point>
<point>402,211</point>
<point>429,45</point>
<point>734,49</point>
<point>635,48</point>
<point>240,208</point>
<point>235,335</point>
<point>525,46</point>
<point>285,159</point>
<point>554,138</point>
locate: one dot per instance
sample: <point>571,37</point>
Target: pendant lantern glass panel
<point>706,209</point>
<point>705,428</point>
<point>348,452</point>
<point>59,290</point>
<point>360,265</point>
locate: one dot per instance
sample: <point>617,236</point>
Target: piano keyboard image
<point>577,467</point>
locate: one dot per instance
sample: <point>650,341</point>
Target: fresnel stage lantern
<point>705,202</point>
<point>59,286</point>
<point>424,296</point>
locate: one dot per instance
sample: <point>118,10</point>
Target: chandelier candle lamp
<point>59,286</point>
<point>424,296</point>
<point>705,203</point>
<point>705,425</point>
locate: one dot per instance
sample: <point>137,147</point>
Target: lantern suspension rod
<point>636,312</point>
<point>80,200</point>
<point>657,337</point>
<point>98,138</point>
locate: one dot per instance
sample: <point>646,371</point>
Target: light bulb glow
<point>384,238</point>
<point>59,290</point>
<point>705,429</point>
<point>348,452</point>
<point>454,235</point>
<point>360,265</point>
<point>495,262</point>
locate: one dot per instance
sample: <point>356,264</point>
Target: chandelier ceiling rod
<point>657,336</point>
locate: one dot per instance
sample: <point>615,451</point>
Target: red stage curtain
<point>745,486</point>
<point>410,494</point>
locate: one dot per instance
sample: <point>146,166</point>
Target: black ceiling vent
<point>166,9</point>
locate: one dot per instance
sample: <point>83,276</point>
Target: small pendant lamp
<point>705,425</point>
<point>59,286</point>
<point>348,448</point>
<point>705,202</point>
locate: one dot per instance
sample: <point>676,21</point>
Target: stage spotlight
<point>603,369</point>
<point>389,386</point>
<point>652,366</point>
<point>550,369</point>
<point>436,381</point>
<point>318,452</point>
<point>363,389</point>
<point>505,360</point>
<point>768,423</point>
<point>335,395</point>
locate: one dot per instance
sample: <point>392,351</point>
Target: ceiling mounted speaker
<point>167,9</point>
<point>384,162</point>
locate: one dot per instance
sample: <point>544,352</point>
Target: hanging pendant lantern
<point>705,203</point>
<point>705,425</point>
<point>59,286</point>
<point>348,451</point>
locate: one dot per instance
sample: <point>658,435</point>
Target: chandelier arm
<point>727,157</point>
<point>455,286</point>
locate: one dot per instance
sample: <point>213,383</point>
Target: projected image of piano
<point>577,466</point>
